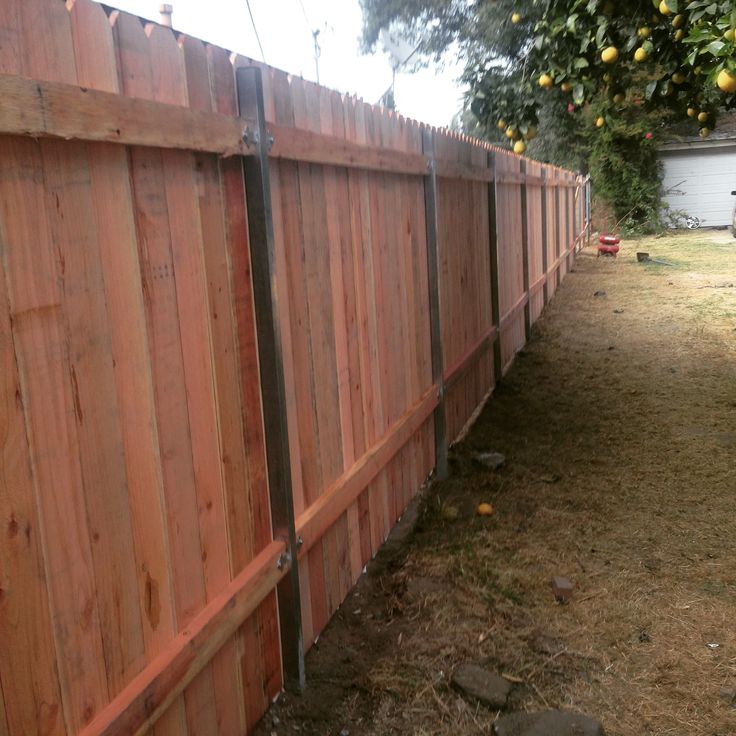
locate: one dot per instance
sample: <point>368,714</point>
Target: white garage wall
<point>701,181</point>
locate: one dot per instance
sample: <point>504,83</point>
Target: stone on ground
<point>547,723</point>
<point>481,684</point>
<point>490,460</point>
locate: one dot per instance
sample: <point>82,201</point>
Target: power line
<point>255,30</point>
<point>304,12</point>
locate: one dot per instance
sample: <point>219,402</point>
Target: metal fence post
<point>525,254</point>
<point>558,231</point>
<point>433,271</point>
<point>569,211</point>
<point>261,239</point>
<point>545,246</point>
<point>495,297</point>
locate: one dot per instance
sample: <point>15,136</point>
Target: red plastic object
<point>609,240</point>
<point>608,250</point>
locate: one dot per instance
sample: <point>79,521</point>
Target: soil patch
<point>618,426</point>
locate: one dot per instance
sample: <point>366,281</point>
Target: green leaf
<point>601,33</point>
<point>650,90</point>
<point>715,47</point>
<point>578,94</point>
<point>672,5</point>
<point>581,63</point>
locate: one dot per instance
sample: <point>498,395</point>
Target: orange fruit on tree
<point>501,124</point>
<point>678,21</point>
<point>516,18</point>
<point>664,9</point>
<point>609,55</point>
<point>726,81</point>
<point>546,82</point>
<point>566,87</point>
<point>519,147</point>
<point>702,117</point>
<point>640,54</point>
<point>691,112</point>
<point>644,32</point>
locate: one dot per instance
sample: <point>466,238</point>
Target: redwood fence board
<point>139,578</point>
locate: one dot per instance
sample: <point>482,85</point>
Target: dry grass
<point>620,436</point>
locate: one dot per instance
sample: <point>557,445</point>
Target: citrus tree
<point>605,56</point>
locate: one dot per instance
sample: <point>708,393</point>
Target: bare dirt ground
<point>618,423</point>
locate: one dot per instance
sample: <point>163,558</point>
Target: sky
<point>285,27</point>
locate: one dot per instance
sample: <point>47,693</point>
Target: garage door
<point>700,183</point>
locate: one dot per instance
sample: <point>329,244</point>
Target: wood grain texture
<point>130,392</point>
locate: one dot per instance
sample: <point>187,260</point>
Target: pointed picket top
<point>196,72</point>
<point>222,78</point>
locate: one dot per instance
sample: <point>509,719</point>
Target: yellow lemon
<point>678,78</point>
<point>704,132</point>
<point>640,54</point>
<point>599,122</point>
<point>609,55</point>
<point>501,124</point>
<point>510,132</point>
<point>485,509</point>
<point>546,82</point>
<point>516,18</point>
<point>702,117</point>
<point>691,112</point>
<point>644,32</point>
<point>677,21</point>
<point>566,87</point>
<point>664,9</point>
<point>679,35</point>
<point>726,81</point>
<point>519,147</point>
<point>729,35</point>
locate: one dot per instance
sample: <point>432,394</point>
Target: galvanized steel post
<point>261,239</point>
<point>433,271</point>
<point>495,297</point>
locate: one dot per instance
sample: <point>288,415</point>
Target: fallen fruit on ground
<point>484,509</point>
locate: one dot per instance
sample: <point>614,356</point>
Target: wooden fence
<point>241,317</point>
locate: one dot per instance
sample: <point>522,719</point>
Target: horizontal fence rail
<point>242,317</point>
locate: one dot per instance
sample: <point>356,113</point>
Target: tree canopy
<point>658,55</point>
